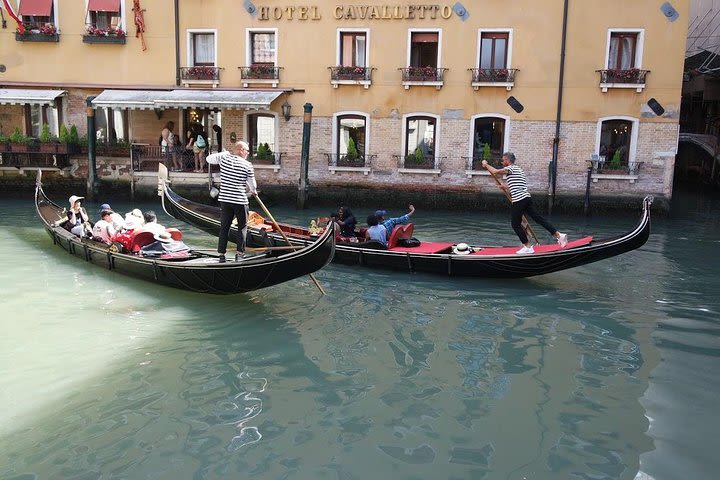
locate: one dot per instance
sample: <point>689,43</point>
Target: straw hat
<point>164,237</point>
<point>462,249</point>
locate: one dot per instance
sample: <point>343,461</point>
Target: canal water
<point>607,371</point>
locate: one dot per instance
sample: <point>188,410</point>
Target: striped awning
<point>22,96</point>
<point>190,98</point>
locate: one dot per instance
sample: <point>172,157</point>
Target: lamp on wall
<point>286,110</point>
<point>159,112</point>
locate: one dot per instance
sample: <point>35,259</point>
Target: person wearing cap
<point>78,221</point>
<point>104,230</point>
<point>237,183</point>
<point>117,219</point>
<point>516,184</point>
<point>391,223</point>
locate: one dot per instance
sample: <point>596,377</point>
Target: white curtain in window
<point>263,48</point>
<point>626,60</point>
<point>204,48</point>
<point>119,125</point>
<point>360,51</point>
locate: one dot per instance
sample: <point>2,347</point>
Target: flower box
<point>106,39</point>
<point>36,37</point>
<point>19,147</point>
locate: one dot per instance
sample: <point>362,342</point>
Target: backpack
<point>200,142</point>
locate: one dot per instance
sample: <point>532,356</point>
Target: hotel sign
<point>358,12</point>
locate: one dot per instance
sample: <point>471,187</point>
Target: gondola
<point>198,271</point>
<point>429,257</point>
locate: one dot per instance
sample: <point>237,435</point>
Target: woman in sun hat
<point>78,219</point>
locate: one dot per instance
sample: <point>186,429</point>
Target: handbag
<point>200,142</point>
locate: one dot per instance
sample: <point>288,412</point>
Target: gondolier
<point>237,181</point>
<point>521,202</point>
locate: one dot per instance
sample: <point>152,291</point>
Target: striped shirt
<point>237,177</point>
<point>517,182</point>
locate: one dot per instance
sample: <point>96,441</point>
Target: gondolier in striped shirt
<point>237,182</point>
<point>516,183</point>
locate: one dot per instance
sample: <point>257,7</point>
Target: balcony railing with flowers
<point>422,74</point>
<point>632,78</point>
<point>350,73</point>
<point>260,72</point>
<point>200,73</point>
<point>46,32</point>
<point>94,34</point>
<point>503,77</point>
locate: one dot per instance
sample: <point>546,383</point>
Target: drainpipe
<point>305,157</point>
<point>92,170</point>
<point>177,42</point>
<point>556,140</point>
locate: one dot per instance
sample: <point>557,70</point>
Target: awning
<point>21,96</point>
<point>191,98</point>
<point>132,99</point>
<point>104,5</point>
<point>36,8</point>
<point>255,99</point>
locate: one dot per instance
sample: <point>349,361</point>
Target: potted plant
<point>18,141</point>
<point>94,34</point>
<point>48,142</point>
<point>264,154</point>
<point>417,159</point>
<point>352,157</point>
<point>46,32</point>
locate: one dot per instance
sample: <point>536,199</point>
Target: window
<point>104,14</point>
<point>351,127</point>
<point>39,115</point>
<point>616,141</point>
<point>202,49</point>
<point>262,50</point>
<point>622,50</point>
<point>494,50</point>
<point>424,49</point>
<point>353,49</point>
<point>420,132</point>
<point>261,131</point>
<point>111,126</point>
<point>488,139</point>
<point>37,13</point>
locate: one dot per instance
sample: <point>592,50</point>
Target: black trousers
<point>525,207</point>
<point>228,212</point>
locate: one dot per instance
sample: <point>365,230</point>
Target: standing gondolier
<point>516,183</point>
<point>237,181</point>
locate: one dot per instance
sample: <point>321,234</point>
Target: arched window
<point>615,142</point>
<point>261,131</point>
<point>351,133</point>
<point>420,132</point>
<point>488,139</point>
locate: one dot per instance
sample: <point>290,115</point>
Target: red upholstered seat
<point>140,240</point>
<point>175,233</point>
<point>400,232</point>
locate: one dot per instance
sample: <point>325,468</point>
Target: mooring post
<point>305,157</point>
<point>92,170</point>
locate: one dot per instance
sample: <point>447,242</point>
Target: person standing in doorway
<point>167,144</point>
<point>237,181</point>
<point>516,184</point>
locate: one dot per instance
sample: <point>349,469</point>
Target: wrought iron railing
<point>493,75</point>
<point>632,76</point>
<point>260,72</point>
<point>623,169</point>
<point>350,73</point>
<point>430,162</point>
<point>200,72</point>
<point>273,158</point>
<point>422,74</point>
<point>475,163</point>
<point>344,160</point>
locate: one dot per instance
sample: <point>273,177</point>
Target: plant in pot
<point>18,141</point>
<point>48,142</point>
<point>73,140</point>
<point>264,153</point>
<point>352,156</point>
<point>615,162</point>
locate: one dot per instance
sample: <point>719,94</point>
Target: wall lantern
<point>159,112</point>
<point>286,110</point>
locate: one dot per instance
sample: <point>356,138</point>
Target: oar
<point>275,224</point>
<point>526,225</point>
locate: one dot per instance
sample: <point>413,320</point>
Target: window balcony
<point>615,78</point>
<point>342,75</point>
<point>266,161</point>
<point>94,34</point>
<point>602,170</point>
<point>38,33</point>
<point>200,75</point>
<point>260,73</point>
<point>423,76</point>
<point>493,77</point>
<point>425,164</point>
<point>347,163</point>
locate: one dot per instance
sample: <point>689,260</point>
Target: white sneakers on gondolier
<point>562,240</point>
<point>525,250</point>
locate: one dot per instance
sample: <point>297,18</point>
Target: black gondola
<point>429,257</point>
<point>198,272</point>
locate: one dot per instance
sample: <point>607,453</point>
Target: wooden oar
<point>275,224</point>
<point>525,224</point>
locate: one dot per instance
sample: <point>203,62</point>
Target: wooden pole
<point>275,224</point>
<point>525,223</point>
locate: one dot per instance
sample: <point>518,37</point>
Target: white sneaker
<point>562,240</point>
<point>525,250</point>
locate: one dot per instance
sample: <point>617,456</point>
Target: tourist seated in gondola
<point>77,221</point>
<point>117,220</point>
<point>376,231</point>
<point>391,223</point>
<point>134,220</point>
<point>104,230</point>
<point>151,224</point>
<point>346,223</point>
<point>164,245</point>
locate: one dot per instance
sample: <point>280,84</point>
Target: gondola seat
<point>175,233</point>
<point>400,232</point>
<point>140,240</point>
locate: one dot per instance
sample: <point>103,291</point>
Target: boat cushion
<point>426,247</point>
<point>140,240</point>
<point>400,232</point>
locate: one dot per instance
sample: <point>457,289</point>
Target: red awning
<point>104,5</point>
<point>36,8</point>
<point>428,37</point>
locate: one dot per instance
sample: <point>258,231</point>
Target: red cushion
<point>400,232</point>
<point>140,240</point>
<point>175,233</point>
